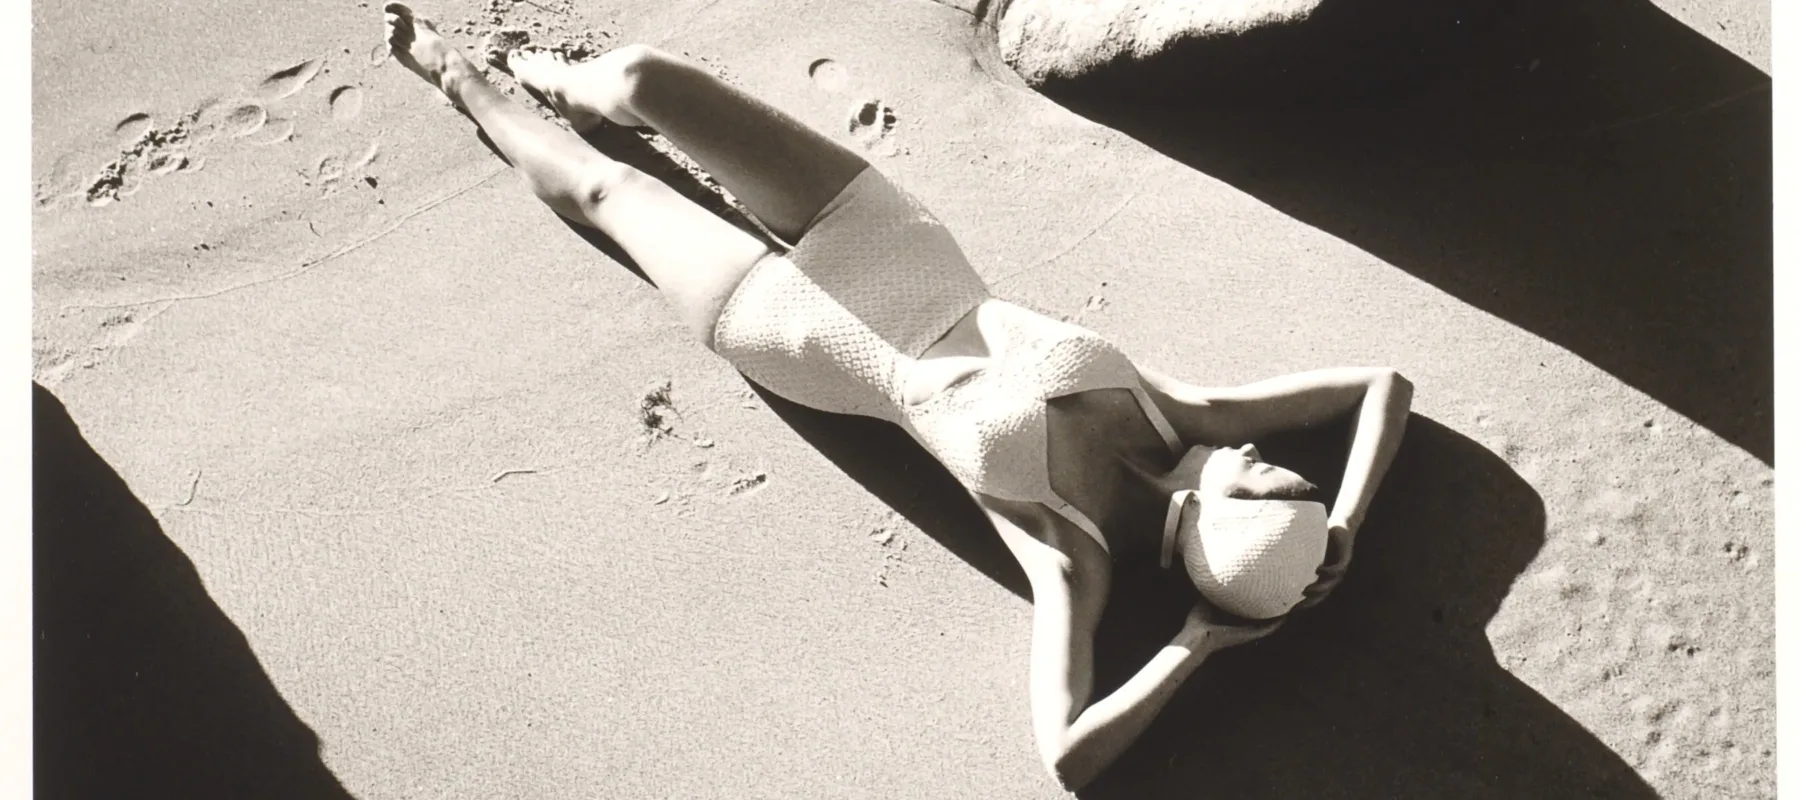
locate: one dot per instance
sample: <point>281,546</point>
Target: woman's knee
<point>579,193</point>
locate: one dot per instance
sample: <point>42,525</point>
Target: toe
<point>398,19</point>
<point>408,17</point>
<point>518,64</point>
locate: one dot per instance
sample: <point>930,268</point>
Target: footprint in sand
<point>748,484</point>
<point>265,112</point>
<point>872,125</point>
<point>138,147</point>
<point>276,131</point>
<point>217,119</point>
<point>346,103</point>
<point>332,171</point>
<point>244,120</point>
<point>152,151</point>
<point>206,120</point>
<point>66,181</point>
<point>131,129</point>
<point>167,163</point>
<point>261,115</point>
<point>116,166</point>
<point>327,173</point>
<point>288,82</point>
<point>366,157</point>
<point>829,75</point>
<point>872,121</point>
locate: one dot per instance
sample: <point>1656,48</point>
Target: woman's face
<point>1240,472</point>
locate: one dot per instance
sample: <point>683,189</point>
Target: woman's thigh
<point>781,169</point>
<point>695,258</point>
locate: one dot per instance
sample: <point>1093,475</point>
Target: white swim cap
<point>1252,558</point>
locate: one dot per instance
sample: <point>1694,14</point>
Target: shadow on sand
<point>1592,171</point>
<point>1388,691</point>
<point>142,686</point>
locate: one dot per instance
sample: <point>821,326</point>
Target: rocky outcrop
<point>1045,40</point>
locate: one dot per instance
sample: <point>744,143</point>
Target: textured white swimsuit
<point>837,323</point>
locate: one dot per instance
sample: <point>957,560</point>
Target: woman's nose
<point>1251,452</point>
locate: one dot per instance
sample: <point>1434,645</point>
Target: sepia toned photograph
<point>1119,399</point>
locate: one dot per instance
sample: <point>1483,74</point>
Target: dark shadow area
<point>909,480</point>
<point>1592,171</point>
<point>142,686</point>
<point>1389,689</point>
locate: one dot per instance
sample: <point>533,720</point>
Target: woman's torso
<point>1088,435</point>
<point>877,312</point>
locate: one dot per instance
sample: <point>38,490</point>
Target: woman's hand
<point>1337,562</point>
<point>1216,630</point>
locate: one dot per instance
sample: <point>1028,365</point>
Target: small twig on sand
<point>551,10</point>
<point>505,472</point>
<point>192,486</point>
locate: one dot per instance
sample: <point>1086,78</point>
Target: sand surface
<point>347,485</point>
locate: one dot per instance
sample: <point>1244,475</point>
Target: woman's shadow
<point>1389,690</point>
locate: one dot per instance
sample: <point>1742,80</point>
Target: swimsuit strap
<point>1170,438</point>
<point>1177,503</point>
<point>1160,422</point>
<point>1081,520</point>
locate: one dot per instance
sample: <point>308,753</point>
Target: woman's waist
<point>1001,345</point>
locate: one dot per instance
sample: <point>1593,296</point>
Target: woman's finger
<point>1267,628</point>
<point>1316,593</point>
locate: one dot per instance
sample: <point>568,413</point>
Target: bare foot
<point>415,43</point>
<point>585,94</point>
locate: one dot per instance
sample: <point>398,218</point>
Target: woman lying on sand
<point>1076,454</point>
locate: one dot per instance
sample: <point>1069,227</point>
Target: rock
<point>1050,39</point>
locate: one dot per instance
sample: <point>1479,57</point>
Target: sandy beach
<point>358,473</point>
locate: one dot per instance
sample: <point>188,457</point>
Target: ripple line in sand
<point>1070,247</point>
<point>309,265</point>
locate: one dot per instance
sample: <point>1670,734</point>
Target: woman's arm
<point>1077,740</point>
<point>1242,414</point>
<point>1375,434</point>
<point>1381,399</point>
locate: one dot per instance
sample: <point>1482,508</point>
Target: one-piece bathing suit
<point>876,280</point>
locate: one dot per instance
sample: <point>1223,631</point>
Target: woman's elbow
<point>1070,777</point>
<point>1071,771</point>
<point>1390,379</point>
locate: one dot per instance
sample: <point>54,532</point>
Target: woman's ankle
<point>459,79</point>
